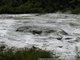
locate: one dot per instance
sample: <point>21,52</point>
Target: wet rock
<point>59,38</point>
<point>63,32</point>
<point>68,38</point>
<point>36,32</point>
<point>73,24</point>
<point>31,29</point>
<point>50,31</point>
<point>77,39</point>
<point>66,16</point>
<point>38,14</point>
<point>60,46</point>
<point>23,29</point>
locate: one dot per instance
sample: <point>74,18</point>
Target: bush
<point>25,54</point>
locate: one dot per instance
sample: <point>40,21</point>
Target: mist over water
<point>58,33</point>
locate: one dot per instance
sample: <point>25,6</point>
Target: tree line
<point>39,6</point>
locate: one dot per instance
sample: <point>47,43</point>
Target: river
<point>56,32</point>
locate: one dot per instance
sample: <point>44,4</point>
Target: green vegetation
<point>25,54</point>
<point>78,58</point>
<point>39,6</point>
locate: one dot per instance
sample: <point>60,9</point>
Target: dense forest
<point>39,6</point>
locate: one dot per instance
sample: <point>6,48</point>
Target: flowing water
<point>58,33</point>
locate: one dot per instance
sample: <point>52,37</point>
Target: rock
<point>36,32</point>
<point>59,38</point>
<point>23,29</point>
<point>63,32</point>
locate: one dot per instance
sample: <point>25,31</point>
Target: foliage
<point>25,54</point>
<point>39,6</point>
<point>78,58</point>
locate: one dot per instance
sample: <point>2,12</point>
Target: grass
<point>25,54</point>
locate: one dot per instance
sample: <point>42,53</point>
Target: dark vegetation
<point>39,6</point>
<point>25,54</point>
<point>78,58</point>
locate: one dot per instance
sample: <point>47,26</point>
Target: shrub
<point>25,54</point>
